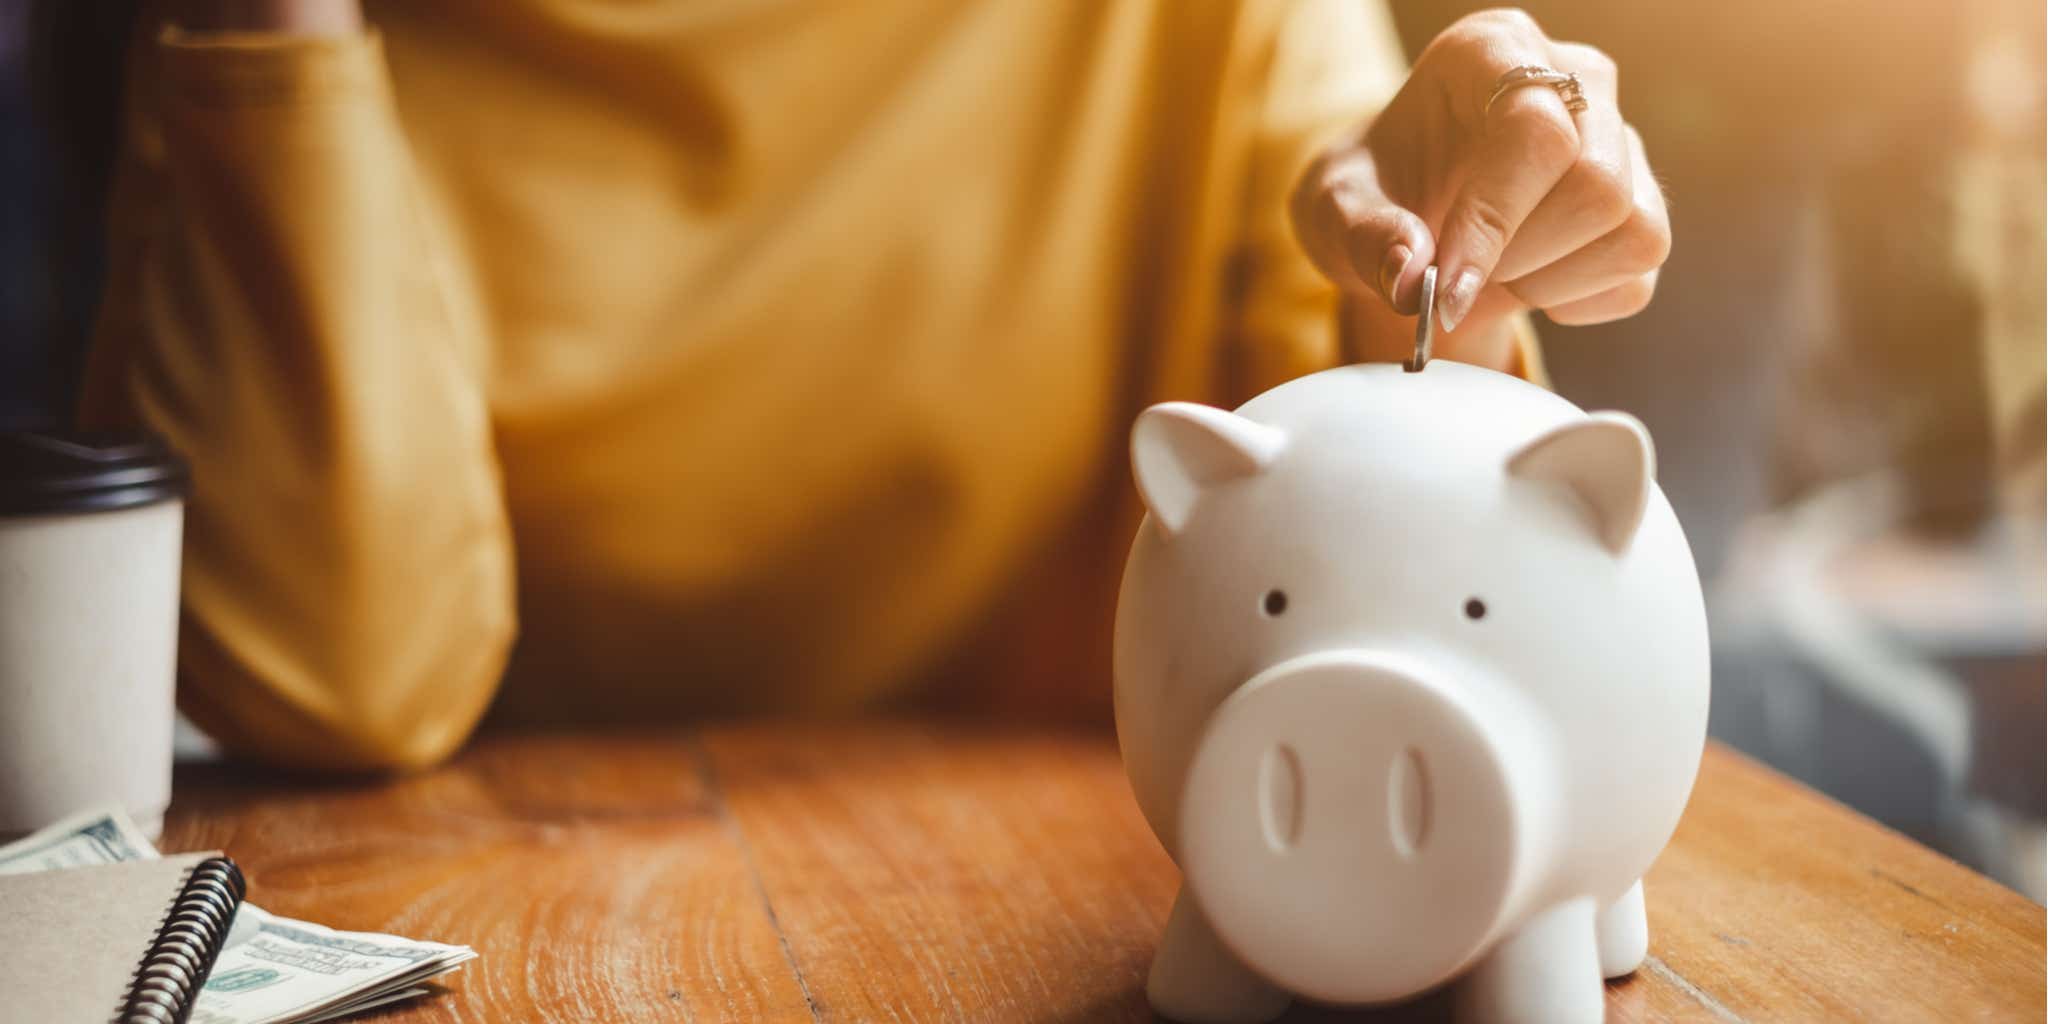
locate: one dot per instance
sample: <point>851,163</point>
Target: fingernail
<point>1457,299</point>
<point>1391,269</point>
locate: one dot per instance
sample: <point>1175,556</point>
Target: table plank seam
<point>1678,981</point>
<point>707,772</point>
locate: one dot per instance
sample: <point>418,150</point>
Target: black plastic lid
<point>42,473</point>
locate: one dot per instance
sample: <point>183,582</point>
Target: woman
<point>621,360</point>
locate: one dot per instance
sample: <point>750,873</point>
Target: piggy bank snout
<point>1351,825</point>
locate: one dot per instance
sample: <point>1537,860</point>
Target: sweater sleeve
<point>1334,64</point>
<point>282,307</point>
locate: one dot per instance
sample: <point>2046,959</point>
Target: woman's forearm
<point>279,305</point>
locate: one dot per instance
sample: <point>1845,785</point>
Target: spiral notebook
<point>129,943</point>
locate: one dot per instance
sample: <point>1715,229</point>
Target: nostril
<point>1408,802</point>
<point>1280,797</point>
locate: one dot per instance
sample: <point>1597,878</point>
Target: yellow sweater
<point>632,359</point>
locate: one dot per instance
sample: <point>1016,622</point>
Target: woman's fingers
<point>1515,199</point>
<point>1358,237</point>
<point>1625,254</point>
<point>1527,144</point>
<point>1624,300</point>
<point>1593,197</point>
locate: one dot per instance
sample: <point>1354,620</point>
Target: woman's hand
<point>1526,205</point>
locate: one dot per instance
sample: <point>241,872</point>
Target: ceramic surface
<point>1411,680</point>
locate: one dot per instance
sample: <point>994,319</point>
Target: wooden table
<point>926,871</point>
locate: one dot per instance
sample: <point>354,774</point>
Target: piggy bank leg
<point>1195,980</point>
<point>1624,932</point>
<point>1547,973</point>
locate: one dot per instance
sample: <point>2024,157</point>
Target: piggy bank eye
<point>1275,603</point>
<point>1475,609</point>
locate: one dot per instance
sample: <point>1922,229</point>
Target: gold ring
<point>1567,86</point>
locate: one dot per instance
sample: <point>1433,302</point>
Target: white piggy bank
<point>1411,680</point>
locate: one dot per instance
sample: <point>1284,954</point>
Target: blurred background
<point>1843,369</point>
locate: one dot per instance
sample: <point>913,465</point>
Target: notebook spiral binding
<point>186,944</point>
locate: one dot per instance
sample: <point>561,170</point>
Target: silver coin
<point>1425,322</point>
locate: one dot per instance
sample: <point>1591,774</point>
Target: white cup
<point>90,534</point>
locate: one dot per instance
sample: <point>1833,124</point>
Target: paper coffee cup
<point>90,531</point>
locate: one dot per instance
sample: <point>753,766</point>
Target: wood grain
<point>933,871</point>
<point>963,874</point>
<point>598,877</point>
<point>1780,904</point>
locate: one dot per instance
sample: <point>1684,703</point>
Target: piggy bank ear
<point>1606,460</point>
<point>1180,450</point>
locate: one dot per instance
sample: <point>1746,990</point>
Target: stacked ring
<point>1567,85</point>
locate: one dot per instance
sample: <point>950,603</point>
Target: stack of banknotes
<point>272,970</point>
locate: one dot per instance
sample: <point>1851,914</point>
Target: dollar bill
<point>271,969</point>
<point>274,969</point>
<point>101,836</point>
